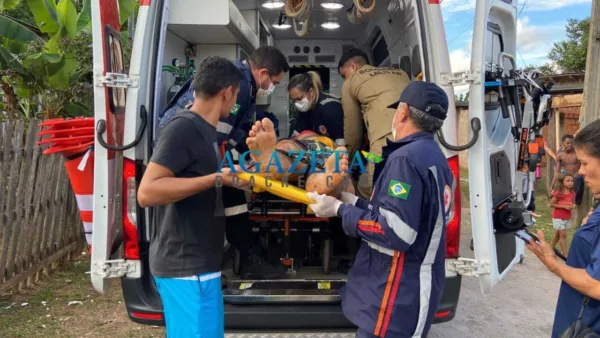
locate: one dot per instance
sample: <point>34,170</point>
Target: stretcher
<point>281,209</point>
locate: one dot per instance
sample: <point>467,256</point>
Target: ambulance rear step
<point>283,291</point>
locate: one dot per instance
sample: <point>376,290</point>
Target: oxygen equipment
<point>182,72</point>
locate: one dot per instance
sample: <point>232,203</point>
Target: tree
<point>545,69</point>
<point>570,55</point>
<point>46,56</point>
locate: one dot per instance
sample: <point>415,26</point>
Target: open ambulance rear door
<point>121,116</point>
<point>496,180</point>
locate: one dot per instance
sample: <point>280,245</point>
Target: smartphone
<point>526,236</point>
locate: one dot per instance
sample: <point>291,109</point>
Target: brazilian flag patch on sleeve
<point>235,109</point>
<point>399,189</point>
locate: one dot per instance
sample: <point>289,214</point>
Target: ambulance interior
<point>316,251</point>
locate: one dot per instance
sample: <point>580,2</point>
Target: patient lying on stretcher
<point>276,158</point>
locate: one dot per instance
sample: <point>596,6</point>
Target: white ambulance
<point>408,34</point>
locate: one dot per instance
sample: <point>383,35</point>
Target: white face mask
<point>266,92</point>
<point>303,105</point>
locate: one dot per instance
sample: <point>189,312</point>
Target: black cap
<point>425,96</point>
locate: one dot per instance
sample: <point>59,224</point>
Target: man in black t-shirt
<point>182,183</point>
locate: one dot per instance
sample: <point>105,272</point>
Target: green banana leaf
<point>6,5</point>
<point>126,7</point>
<point>67,18</point>
<point>85,16</point>
<point>8,61</point>
<point>62,78</point>
<point>12,30</point>
<point>75,109</point>
<point>44,14</point>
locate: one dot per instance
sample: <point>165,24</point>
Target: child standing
<point>563,201</point>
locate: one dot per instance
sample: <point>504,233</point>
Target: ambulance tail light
<point>130,231</point>
<point>453,227</point>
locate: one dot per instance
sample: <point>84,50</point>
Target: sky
<point>540,24</point>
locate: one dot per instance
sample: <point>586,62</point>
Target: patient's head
<point>351,61</point>
<point>423,106</point>
<point>218,82</point>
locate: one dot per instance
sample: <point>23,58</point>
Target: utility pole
<point>590,109</point>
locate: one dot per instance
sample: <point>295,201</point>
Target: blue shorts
<point>193,306</point>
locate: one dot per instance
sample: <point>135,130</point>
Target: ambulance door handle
<point>475,126</point>
<point>101,128</point>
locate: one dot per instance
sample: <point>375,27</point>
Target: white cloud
<point>460,60</point>
<point>534,43</point>
<point>531,6</point>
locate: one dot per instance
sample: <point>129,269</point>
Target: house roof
<point>566,83</point>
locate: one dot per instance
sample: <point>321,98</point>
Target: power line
<point>522,8</point>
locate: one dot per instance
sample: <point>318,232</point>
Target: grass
<point>44,311</point>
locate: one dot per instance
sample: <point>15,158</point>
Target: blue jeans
<point>193,306</point>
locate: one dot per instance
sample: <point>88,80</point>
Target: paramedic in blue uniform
<point>397,279</point>
<point>263,70</point>
<point>580,274</point>
<point>318,112</point>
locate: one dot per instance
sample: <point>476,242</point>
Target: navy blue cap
<point>425,96</point>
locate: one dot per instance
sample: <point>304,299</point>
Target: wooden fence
<point>39,219</point>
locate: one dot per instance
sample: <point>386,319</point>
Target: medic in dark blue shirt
<point>318,112</point>
<point>263,70</point>
<point>396,281</point>
<point>580,287</point>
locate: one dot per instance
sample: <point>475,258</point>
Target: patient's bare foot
<point>262,140</point>
<point>333,177</point>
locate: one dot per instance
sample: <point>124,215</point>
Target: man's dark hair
<point>270,58</point>
<point>355,55</point>
<point>214,74</point>
<point>588,139</point>
<point>567,137</point>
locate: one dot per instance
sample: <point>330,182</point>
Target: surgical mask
<point>303,105</point>
<point>266,92</point>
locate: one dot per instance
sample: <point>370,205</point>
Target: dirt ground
<point>522,305</point>
<point>45,310</point>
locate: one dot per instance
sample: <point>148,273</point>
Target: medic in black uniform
<point>318,112</point>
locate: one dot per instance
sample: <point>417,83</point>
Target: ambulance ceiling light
<point>332,5</point>
<point>273,4</point>
<point>284,25</point>
<point>330,25</point>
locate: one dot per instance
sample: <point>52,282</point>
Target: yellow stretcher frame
<point>278,188</point>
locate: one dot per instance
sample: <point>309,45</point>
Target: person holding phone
<point>578,300</point>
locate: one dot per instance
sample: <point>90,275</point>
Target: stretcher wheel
<point>237,262</point>
<point>326,255</point>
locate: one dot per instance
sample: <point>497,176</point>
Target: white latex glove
<point>348,198</point>
<point>326,206</point>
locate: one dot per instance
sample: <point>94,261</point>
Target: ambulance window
<point>416,61</point>
<point>494,34</point>
<point>115,65</point>
<point>405,64</point>
<point>243,55</point>
<point>379,50</point>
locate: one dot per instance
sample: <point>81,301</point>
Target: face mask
<point>266,92</point>
<point>303,105</point>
